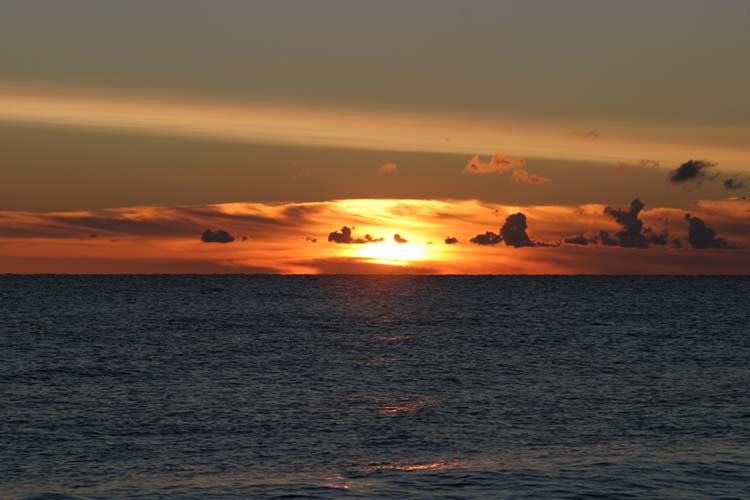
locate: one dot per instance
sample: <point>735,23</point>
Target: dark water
<point>374,387</point>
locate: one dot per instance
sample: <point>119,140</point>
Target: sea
<point>383,387</point>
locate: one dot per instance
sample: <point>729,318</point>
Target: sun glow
<point>392,253</point>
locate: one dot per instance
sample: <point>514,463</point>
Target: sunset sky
<point>187,136</point>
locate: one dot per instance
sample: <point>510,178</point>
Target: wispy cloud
<point>521,176</point>
<point>383,131</point>
<point>387,168</point>
<point>498,163</point>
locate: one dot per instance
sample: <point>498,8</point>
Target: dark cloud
<point>547,244</point>
<point>451,240</point>
<point>244,237</point>
<point>514,231</point>
<point>733,184</point>
<point>345,236</point>
<point>398,239</point>
<point>701,236</point>
<point>578,240</point>
<point>607,240</point>
<point>213,215</point>
<point>218,236</point>
<point>311,239</point>
<point>488,238</point>
<point>631,235</point>
<point>660,239</point>
<point>691,170</point>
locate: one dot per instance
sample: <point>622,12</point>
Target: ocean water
<point>255,387</point>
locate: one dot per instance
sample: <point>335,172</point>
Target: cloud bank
<point>594,238</point>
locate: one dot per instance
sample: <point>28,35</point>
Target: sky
<point>222,137</point>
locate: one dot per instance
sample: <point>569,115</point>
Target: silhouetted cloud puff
<point>498,163</point>
<point>733,184</point>
<point>691,170</point>
<point>514,231</point>
<point>701,236</point>
<point>607,240</point>
<point>631,235</point>
<point>311,239</point>
<point>451,240</point>
<point>387,168</point>
<point>488,238</point>
<point>398,239</point>
<point>345,236</point>
<point>578,240</point>
<point>521,176</point>
<point>244,237</point>
<point>660,239</point>
<point>218,236</point>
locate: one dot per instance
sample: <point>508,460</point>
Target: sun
<point>392,253</point>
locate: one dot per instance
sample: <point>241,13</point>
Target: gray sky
<point>681,61</point>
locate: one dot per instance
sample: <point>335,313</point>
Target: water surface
<point>229,387</point>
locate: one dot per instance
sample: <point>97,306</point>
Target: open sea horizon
<point>386,387</point>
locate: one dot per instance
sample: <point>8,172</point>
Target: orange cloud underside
<point>167,239</point>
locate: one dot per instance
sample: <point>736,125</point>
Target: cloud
<point>387,168</point>
<point>311,239</point>
<point>660,239</point>
<point>451,240</point>
<point>591,135</point>
<point>701,236</point>
<point>691,170</point>
<point>733,184</point>
<point>625,168</point>
<point>398,239</point>
<point>631,235</point>
<point>488,238</point>
<point>218,236</point>
<point>580,240</point>
<point>521,176</point>
<point>498,163</point>
<point>345,236</point>
<point>514,231</point>
<point>607,240</point>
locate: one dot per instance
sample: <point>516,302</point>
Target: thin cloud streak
<point>382,131</point>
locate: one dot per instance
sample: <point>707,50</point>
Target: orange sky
<point>293,238</point>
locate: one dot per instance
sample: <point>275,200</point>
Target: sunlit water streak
<point>374,387</point>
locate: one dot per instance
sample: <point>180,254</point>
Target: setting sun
<point>392,253</point>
